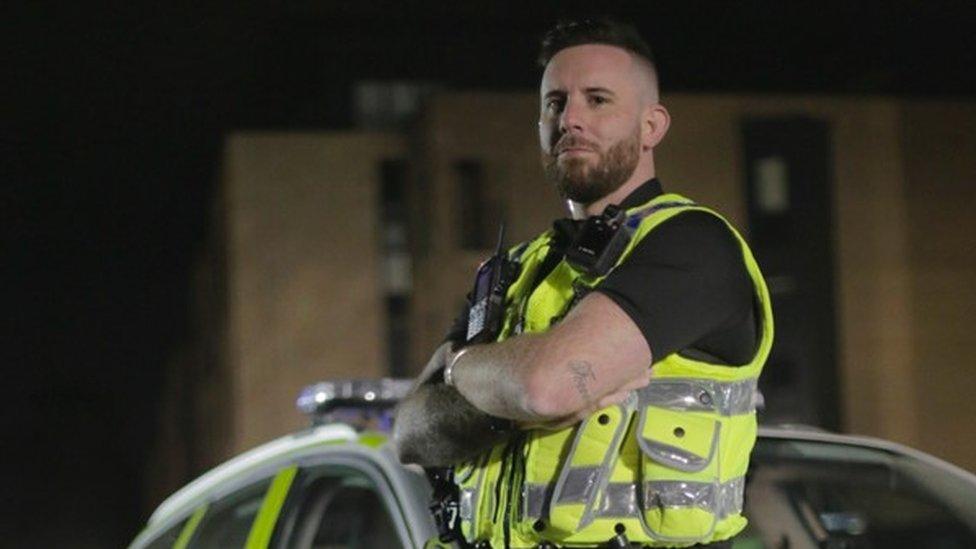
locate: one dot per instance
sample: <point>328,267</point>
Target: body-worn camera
<point>599,242</point>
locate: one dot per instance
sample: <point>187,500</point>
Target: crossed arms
<point>592,359</point>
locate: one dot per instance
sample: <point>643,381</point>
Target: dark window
<point>339,507</point>
<point>478,209</point>
<point>228,521</point>
<point>788,163</point>
<point>397,266</point>
<point>168,537</point>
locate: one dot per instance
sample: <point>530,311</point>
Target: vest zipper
<point>516,447</point>
<point>498,485</point>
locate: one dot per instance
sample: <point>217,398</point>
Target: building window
<point>397,266</point>
<point>478,207</point>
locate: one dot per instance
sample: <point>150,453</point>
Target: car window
<point>819,494</point>
<point>228,520</point>
<point>338,507</point>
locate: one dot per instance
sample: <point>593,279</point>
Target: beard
<point>576,180</point>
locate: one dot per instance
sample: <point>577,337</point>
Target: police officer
<point>605,395</point>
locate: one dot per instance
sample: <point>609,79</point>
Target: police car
<point>339,484</point>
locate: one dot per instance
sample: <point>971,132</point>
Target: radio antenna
<point>501,238</point>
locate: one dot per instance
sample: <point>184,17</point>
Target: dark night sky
<point>112,120</point>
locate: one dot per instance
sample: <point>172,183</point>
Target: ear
<point>654,125</point>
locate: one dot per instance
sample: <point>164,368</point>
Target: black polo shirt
<point>684,285</point>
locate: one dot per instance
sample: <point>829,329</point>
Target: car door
<point>227,522</point>
<point>342,502</point>
<point>240,513</point>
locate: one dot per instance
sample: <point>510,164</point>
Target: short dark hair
<point>602,30</point>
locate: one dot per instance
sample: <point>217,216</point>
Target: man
<point>562,434</point>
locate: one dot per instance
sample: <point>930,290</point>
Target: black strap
<point>444,503</point>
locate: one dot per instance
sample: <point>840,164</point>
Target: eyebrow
<point>598,89</point>
<point>591,89</point>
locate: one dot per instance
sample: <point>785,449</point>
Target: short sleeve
<point>685,286</point>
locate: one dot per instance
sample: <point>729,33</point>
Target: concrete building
<point>858,209</point>
<point>899,177</point>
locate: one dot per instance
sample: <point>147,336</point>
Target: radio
<point>488,296</point>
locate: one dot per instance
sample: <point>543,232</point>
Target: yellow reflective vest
<point>666,468</point>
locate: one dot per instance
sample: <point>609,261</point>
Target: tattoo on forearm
<point>582,372</point>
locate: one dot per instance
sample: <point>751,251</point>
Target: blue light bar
<point>364,403</point>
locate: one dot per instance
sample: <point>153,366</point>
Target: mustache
<point>572,142</point>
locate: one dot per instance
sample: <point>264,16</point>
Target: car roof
<point>251,461</point>
<point>333,443</point>
<point>813,434</point>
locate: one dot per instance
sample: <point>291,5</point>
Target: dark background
<point>112,123</point>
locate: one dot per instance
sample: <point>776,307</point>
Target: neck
<point>644,172</point>
<point>616,197</point>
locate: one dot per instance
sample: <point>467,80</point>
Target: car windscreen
<point>825,494</point>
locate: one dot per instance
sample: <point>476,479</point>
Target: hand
<point>437,361</point>
<point>622,393</point>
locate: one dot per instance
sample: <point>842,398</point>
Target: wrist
<point>449,369</point>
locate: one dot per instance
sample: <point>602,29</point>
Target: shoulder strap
<point>635,217</point>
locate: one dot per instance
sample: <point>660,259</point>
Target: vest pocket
<point>679,474</point>
<point>585,473</point>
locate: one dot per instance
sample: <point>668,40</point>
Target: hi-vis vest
<point>666,468</point>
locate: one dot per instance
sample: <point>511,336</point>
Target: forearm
<point>592,358</point>
<point>436,426</point>
<point>496,378</point>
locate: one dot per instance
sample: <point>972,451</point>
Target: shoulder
<point>695,222</point>
<point>533,244</point>
<point>692,235</point>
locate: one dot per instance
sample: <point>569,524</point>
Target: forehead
<point>589,65</point>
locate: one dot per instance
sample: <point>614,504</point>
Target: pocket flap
<point>586,470</point>
<point>679,440</point>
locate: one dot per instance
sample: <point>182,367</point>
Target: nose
<point>571,120</point>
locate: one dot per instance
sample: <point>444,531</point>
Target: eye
<point>553,105</point>
<point>599,100</point>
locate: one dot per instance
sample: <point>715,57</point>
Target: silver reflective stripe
<point>535,499</point>
<point>466,504</point>
<point>675,457</point>
<point>470,498</point>
<point>579,484</point>
<point>722,499</point>
<point>620,499</point>
<point>585,484</point>
<point>669,493</point>
<point>730,497</point>
<point>724,398</point>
